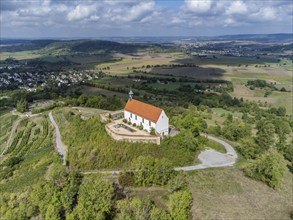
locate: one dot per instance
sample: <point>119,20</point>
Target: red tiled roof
<point>143,110</point>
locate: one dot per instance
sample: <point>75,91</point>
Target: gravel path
<point>212,158</point>
<point>59,144</point>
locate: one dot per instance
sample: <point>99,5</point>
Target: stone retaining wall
<point>133,138</point>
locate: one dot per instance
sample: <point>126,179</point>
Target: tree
<point>21,105</point>
<point>236,130</point>
<point>287,151</point>
<point>265,135</point>
<point>94,199</point>
<point>57,175</point>
<point>179,204</point>
<point>282,128</point>
<point>192,122</point>
<point>248,148</point>
<point>150,171</point>
<point>270,168</point>
<point>54,209</point>
<point>134,208</point>
<point>281,111</point>
<point>57,193</point>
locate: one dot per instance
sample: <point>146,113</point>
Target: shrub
<point>248,148</point>
<point>179,204</point>
<point>150,171</point>
<point>234,130</point>
<point>177,183</point>
<point>153,131</point>
<point>140,127</point>
<point>126,179</point>
<point>13,161</point>
<point>134,124</point>
<point>125,120</point>
<point>270,168</point>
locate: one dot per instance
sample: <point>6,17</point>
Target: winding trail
<point>61,148</point>
<point>211,158</point>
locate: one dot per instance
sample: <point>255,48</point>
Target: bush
<point>179,204</point>
<point>150,171</point>
<point>270,168</point>
<point>177,183</point>
<point>248,148</point>
<point>134,124</point>
<point>140,127</point>
<point>21,105</point>
<point>234,130</point>
<point>94,199</point>
<point>153,131</point>
<point>13,161</point>
<point>126,179</point>
<point>125,120</point>
<point>291,215</point>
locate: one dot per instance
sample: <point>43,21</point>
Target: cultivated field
<point>125,63</point>
<point>31,144</point>
<point>21,55</point>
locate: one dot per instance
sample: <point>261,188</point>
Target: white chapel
<point>146,115</point>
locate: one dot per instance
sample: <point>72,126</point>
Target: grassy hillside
<point>225,193</point>
<point>88,141</point>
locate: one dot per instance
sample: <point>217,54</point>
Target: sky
<point>110,18</point>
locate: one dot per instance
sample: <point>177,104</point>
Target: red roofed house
<point>146,115</point>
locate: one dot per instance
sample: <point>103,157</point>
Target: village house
<point>146,115</point>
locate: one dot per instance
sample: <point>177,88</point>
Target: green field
<point>276,99</point>
<point>125,63</point>
<point>22,55</point>
<point>98,91</point>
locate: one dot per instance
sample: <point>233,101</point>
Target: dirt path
<point>61,148</point>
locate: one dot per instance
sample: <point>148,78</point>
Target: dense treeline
<point>21,99</point>
<point>109,103</point>
<point>65,194</point>
<point>263,84</point>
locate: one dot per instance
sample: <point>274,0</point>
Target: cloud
<point>81,12</point>
<point>200,6</point>
<point>143,17</point>
<point>265,14</point>
<point>237,7</point>
<point>140,11</point>
<point>42,8</point>
<point>135,12</point>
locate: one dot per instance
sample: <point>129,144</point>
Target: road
<point>209,158</point>
<point>61,148</point>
